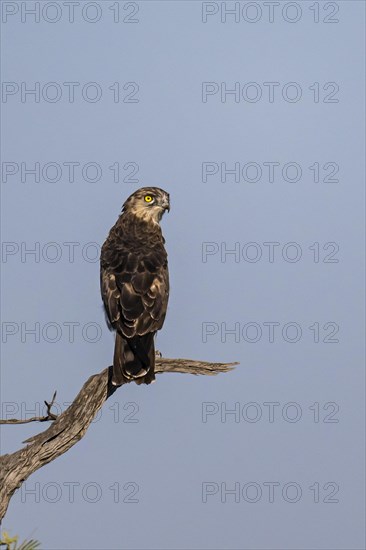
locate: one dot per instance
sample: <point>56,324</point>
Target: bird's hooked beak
<point>165,203</point>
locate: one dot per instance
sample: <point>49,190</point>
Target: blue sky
<point>254,123</point>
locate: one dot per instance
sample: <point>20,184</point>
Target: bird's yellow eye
<point>148,198</point>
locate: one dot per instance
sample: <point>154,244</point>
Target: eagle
<point>134,282</point>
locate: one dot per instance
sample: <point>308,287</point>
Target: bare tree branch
<point>70,426</point>
<point>49,415</point>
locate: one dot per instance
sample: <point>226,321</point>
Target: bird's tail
<point>134,359</point>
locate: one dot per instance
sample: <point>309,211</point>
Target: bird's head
<point>148,204</point>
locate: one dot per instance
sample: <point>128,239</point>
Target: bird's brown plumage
<point>135,284</point>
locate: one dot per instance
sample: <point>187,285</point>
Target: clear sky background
<point>156,468</point>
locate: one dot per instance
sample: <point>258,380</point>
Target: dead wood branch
<point>70,426</point>
<point>47,417</point>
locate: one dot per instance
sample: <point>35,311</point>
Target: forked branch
<point>70,426</point>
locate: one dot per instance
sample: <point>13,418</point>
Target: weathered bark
<point>70,426</point>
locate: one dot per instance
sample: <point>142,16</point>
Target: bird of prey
<point>135,284</point>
